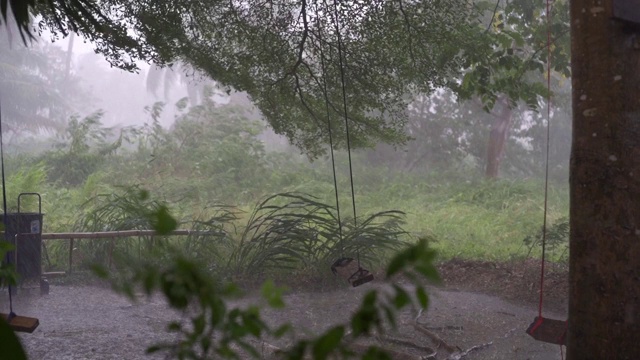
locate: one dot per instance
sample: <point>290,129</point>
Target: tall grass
<point>295,231</point>
<point>287,233</point>
<point>469,217</point>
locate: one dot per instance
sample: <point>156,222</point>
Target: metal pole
<point>70,254</point>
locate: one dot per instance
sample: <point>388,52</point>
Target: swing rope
<point>359,276</point>
<point>548,330</point>
<point>4,217</point>
<point>342,62</point>
<point>333,160</point>
<point>546,171</point>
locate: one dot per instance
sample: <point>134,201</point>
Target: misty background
<point>91,129</point>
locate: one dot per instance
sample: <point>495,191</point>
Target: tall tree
<point>36,93</point>
<point>604,300</point>
<point>268,49</point>
<point>169,77</point>
<point>291,57</point>
<point>507,65</point>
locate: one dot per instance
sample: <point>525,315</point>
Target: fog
<point>112,151</point>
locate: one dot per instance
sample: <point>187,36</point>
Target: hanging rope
<point>546,171</point>
<point>548,330</point>
<point>342,62</point>
<point>356,275</point>
<point>333,160</point>
<point>4,216</point>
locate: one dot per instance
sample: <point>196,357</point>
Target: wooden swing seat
<point>350,270</point>
<point>22,323</point>
<point>548,330</point>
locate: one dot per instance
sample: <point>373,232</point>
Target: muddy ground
<point>481,311</point>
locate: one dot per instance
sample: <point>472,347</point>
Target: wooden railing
<point>72,236</point>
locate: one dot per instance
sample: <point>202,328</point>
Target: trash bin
<point>24,231</point>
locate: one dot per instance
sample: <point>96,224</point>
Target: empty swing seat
<point>350,270</point>
<point>548,330</point>
<point>21,323</point>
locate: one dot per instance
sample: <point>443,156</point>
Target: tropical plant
<point>297,232</point>
<point>216,147</point>
<point>11,346</point>
<point>213,330</point>
<point>556,239</point>
<point>82,149</point>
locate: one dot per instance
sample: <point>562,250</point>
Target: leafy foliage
<point>37,93</point>
<point>512,48</point>
<point>288,56</point>
<point>8,274</point>
<point>556,239</point>
<point>285,231</point>
<point>214,330</point>
<point>296,231</point>
<point>11,346</point>
<point>82,149</point>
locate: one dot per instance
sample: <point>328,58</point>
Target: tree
<point>166,78</point>
<point>604,296</point>
<point>507,63</point>
<point>288,56</point>
<point>385,43</point>
<point>37,93</point>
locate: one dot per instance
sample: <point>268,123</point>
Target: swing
<point>350,269</point>
<point>542,329</point>
<point>347,268</point>
<point>20,323</point>
<point>16,322</point>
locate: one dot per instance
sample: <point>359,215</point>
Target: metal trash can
<point>24,231</point>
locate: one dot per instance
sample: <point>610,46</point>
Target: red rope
<point>546,173</point>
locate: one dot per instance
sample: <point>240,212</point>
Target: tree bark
<point>498,138</point>
<point>604,300</point>
<point>67,70</point>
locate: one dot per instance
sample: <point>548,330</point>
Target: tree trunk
<point>67,71</point>
<point>604,298</point>
<point>498,138</point>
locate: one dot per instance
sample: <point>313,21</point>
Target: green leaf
<point>100,271</point>
<point>422,296</point>
<point>327,343</point>
<point>398,263</point>
<point>174,327</point>
<point>154,348</point>
<point>162,222</point>
<point>282,330</point>
<point>149,281</point>
<point>375,353</point>
<point>273,294</point>
<point>205,343</point>
<point>10,345</point>
<point>199,324</point>
<point>251,321</point>
<point>401,299</point>
<point>143,195</point>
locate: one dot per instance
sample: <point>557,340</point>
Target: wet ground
<point>92,322</point>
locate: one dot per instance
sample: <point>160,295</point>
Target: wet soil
<point>481,311</point>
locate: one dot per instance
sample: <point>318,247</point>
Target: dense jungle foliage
<point>217,172</point>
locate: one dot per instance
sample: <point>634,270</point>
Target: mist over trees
<point>456,89</point>
<point>496,73</point>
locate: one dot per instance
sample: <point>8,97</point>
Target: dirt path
<point>95,323</point>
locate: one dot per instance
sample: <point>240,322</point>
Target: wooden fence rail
<point>72,236</point>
